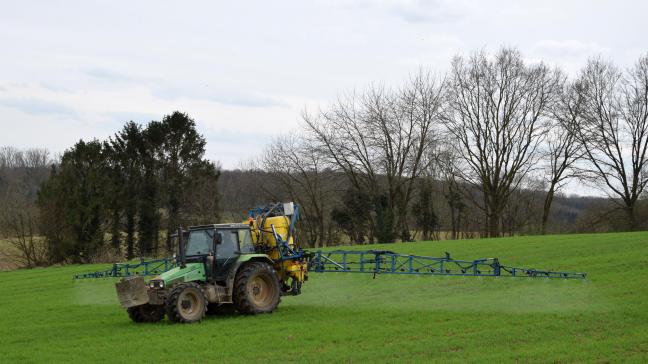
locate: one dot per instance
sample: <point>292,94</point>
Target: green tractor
<point>221,265</point>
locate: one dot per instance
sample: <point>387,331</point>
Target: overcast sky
<point>245,70</point>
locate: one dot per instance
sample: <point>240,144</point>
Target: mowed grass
<point>45,316</point>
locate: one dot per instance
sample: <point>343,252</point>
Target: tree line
<point>487,136</point>
<point>482,151</point>
<point>121,197</point>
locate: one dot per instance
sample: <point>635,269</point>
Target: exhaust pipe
<point>181,248</point>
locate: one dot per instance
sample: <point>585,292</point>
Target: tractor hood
<point>190,273</point>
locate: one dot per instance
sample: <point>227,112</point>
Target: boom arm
<point>387,262</point>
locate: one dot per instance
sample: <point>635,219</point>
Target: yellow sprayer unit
<point>273,228</point>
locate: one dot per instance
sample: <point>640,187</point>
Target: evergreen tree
<point>77,192</point>
<point>426,219</point>
<point>129,184</point>
<point>384,219</point>
<point>149,194</point>
<point>125,155</point>
<point>354,215</point>
<point>181,155</point>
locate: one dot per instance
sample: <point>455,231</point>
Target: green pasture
<point>47,317</point>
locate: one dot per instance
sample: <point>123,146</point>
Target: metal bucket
<point>132,292</point>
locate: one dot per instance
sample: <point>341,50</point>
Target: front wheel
<point>256,289</point>
<point>186,303</point>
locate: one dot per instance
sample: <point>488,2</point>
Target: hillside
<point>48,317</point>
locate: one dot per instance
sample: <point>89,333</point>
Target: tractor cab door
<point>227,251</point>
<point>199,248</point>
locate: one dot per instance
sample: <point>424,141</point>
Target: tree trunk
<point>547,207</point>
<point>457,227</point>
<point>494,223</point>
<point>115,231</point>
<point>322,233</point>
<point>372,230</point>
<point>453,223</point>
<point>632,223</point>
<point>130,235</point>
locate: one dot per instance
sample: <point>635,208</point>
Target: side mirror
<point>218,238</point>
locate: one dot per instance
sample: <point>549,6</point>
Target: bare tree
<point>340,138</point>
<point>523,209</point>
<point>614,131</point>
<point>448,173</point>
<point>21,232</point>
<point>381,135</point>
<point>496,115</point>
<point>303,175</point>
<point>21,173</point>
<point>562,147</point>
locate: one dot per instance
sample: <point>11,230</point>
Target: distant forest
<point>241,189</point>
<point>483,151</point>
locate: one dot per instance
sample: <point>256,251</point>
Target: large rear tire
<point>146,313</point>
<point>186,303</point>
<point>256,289</point>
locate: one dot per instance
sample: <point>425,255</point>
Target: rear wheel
<point>256,289</point>
<point>186,303</point>
<point>146,313</point>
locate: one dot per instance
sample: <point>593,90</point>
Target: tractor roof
<point>220,226</point>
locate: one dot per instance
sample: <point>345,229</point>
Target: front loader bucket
<point>132,292</point>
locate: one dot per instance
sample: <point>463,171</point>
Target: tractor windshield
<point>200,242</point>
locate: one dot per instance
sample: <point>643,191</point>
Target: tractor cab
<point>217,246</point>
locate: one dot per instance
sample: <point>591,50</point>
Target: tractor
<point>246,265</point>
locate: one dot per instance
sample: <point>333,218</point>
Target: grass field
<point>45,316</point>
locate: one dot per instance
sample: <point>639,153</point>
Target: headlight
<point>156,284</point>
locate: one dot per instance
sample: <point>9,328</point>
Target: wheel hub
<point>187,302</point>
<point>260,290</point>
<point>186,305</point>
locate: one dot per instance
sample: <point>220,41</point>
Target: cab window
<point>200,242</point>
<point>245,239</point>
<point>229,244</point>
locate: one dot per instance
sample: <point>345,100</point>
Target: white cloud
<point>570,48</point>
<point>37,106</point>
<point>569,54</point>
<point>414,11</point>
<point>245,71</point>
